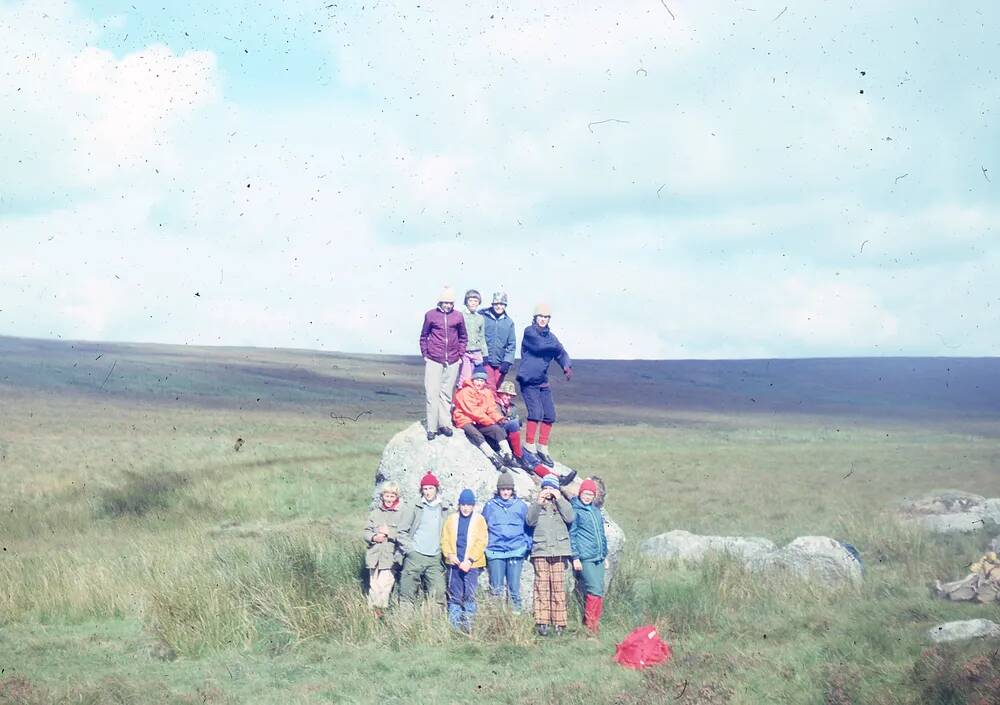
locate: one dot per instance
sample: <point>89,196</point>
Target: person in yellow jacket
<point>463,543</point>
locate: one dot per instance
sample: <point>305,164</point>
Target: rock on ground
<point>817,558</point>
<point>968,629</point>
<point>951,511</point>
<point>809,557</point>
<point>686,546</point>
<point>459,465</point>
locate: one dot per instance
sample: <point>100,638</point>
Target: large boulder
<point>967,629</point>
<point>817,558</point>
<point>684,545</point>
<point>951,511</point>
<point>458,465</point>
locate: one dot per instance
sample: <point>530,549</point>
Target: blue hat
<point>480,374</point>
<point>551,480</point>
<point>467,497</point>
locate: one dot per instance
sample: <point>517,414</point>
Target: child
<point>463,543</point>
<point>539,347</point>
<point>420,540</point>
<point>508,540</point>
<point>475,349</point>
<point>477,415</point>
<point>501,339</point>
<point>383,556</point>
<point>590,553</point>
<point>442,345</point>
<point>511,424</point>
<point>550,516</point>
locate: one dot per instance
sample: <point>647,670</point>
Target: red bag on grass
<point>641,648</point>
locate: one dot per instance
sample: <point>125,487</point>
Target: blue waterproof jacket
<point>501,341</point>
<point>505,522</point>
<point>586,533</point>
<point>539,347</point>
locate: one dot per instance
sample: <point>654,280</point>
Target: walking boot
<point>567,478</point>
<point>445,431</point>
<point>545,459</point>
<point>431,435</point>
<point>527,462</point>
<point>559,630</point>
<point>497,462</point>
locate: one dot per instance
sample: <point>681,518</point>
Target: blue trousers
<point>509,570</point>
<point>538,399</point>
<point>462,597</point>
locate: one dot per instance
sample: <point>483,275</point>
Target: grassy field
<point>145,559</point>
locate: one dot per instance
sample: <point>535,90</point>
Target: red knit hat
<point>588,485</point>
<point>429,479</point>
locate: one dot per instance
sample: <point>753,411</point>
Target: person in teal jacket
<point>590,552</point>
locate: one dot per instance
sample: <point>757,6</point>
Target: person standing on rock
<point>590,553</point>
<point>511,425</point>
<point>539,347</point>
<point>476,349</point>
<point>420,540</point>
<point>477,415</point>
<point>443,338</point>
<point>509,542</point>
<point>501,340</point>
<point>463,543</point>
<point>383,556</point>
<point>550,515</point>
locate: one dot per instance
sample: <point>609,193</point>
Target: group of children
<point>475,350</point>
<point>443,554</point>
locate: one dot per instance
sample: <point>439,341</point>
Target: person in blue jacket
<point>501,340</point>
<point>590,553</point>
<point>508,543</point>
<point>539,347</point>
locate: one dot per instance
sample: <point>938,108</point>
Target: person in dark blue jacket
<point>590,552</point>
<point>501,340</point>
<point>539,347</point>
<point>509,542</point>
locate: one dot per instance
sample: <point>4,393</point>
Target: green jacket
<point>551,523</point>
<point>409,522</point>
<point>475,328</point>
<point>587,533</point>
<point>386,554</point>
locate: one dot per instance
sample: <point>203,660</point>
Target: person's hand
<point>378,538</point>
<point>577,565</point>
<point>453,560</point>
<point>504,368</point>
<point>543,494</point>
<point>383,529</point>
<point>465,566</point>
<point>568,373</point>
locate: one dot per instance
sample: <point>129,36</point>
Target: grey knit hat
<point>505,481</point>
<point>500,297</point>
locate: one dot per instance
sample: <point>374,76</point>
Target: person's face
<point>504,397</point>
<point>587,497</point>
<point>447,306</point>
<point>466,509</point>
<point>472,303</point>
<point>389,497</point>
<point>506,493</point>
<point>499,308</point>
<point>478,382</point>
<point>429,492</point>
<point>542,321</point>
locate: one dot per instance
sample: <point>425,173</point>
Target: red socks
<point>542,471</point>
<point>531,429</point>
<point>543,437</point>
<point>514,438</point>
<point>592,609</point>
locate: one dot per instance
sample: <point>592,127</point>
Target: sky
<point>677,179</point>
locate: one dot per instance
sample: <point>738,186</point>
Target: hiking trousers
<point>550,590</point>
<point>380,582</point>
<point>478,434</point>
<point>538,400</point>
<point>439,385</point>
<point>420,571</point>
<point>592,577</point>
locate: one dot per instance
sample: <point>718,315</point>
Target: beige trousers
<point>380,582</point>
<point>439,384</point>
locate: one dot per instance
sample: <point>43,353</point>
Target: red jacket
<point>475,406</point>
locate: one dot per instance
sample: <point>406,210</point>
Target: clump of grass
<point>949,676</point>
<point>141,493</point>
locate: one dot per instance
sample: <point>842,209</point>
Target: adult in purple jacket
<point>539,347</point>
<point>442,344</point>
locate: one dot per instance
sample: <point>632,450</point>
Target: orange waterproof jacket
<point>475,406</point>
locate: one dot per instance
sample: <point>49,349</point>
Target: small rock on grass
<point>963,630</point>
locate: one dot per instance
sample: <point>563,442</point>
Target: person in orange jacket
<point>477,415</point>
